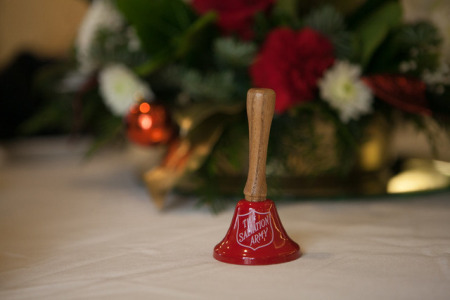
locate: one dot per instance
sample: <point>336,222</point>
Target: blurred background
<point>33,34</point>
<point>45,89</point>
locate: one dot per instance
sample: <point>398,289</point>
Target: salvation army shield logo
<point>254,229</point>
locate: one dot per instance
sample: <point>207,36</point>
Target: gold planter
<point>305,169</point>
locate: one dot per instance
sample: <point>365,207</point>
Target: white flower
<point>120,88</point>
<point>438,79</point>
<point>343,89</point>
<point>101,15</point>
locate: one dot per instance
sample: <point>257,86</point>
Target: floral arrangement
<point>337,70</point>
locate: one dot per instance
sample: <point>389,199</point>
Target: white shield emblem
<point>254,229</point>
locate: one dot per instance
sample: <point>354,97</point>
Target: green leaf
<point>166,28</point>
<point>50,117</point>
<point>287,7</point>
<point>184,44</point>
<point>153,64</point>
<point>375,28</point>
<point>285,12</point>
<point>157,22</point>
<point>363,11</point>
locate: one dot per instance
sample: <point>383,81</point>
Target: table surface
<point>74,229</point>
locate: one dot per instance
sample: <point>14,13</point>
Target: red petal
<point>405,93</point>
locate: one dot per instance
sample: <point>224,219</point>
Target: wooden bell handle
<point>260,109</point>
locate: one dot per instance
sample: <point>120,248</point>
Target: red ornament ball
<point>149,124</point>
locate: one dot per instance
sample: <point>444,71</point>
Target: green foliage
<point>55,114</point>
<point>158,22</point>
<point>234,53</point>
<point>411,49</point>
<point>363,11</point>
<point>262,26</point>
<point>215,86</point>
<point>75,113</point>
<point>222,81</point>
<point>166,28</point>
<point>109,47</point>
<point>420,42</point>
<point>213,122</point>
<point>330,23</point>
<point>285,13</point>
<point>108,130</point>
<point>230,155</point>
<point>422,35</point>
<point>371,31</point>
<point>49,118</point>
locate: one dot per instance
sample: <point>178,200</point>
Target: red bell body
<point>256,237</point>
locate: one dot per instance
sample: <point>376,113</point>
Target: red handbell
<point>256,237</point>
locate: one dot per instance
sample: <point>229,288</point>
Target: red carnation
<point>291,63</point>
<point>235,16</point>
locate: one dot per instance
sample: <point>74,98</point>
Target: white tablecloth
<point>75,230</point>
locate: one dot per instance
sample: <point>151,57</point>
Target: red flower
<point>235,16</point>
<point>291,63</point>
<point>407,94</point>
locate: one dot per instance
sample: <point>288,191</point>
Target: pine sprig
<point>113,47</point>
<point>328,21</point>
<point>234,53</point>
<point>421,35</point>
<point>215,86</point>
<point>419,47</point>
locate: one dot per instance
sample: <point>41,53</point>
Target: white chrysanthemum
<point>121,88</point>
<point>343,89</point>
<point>101,15</point>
